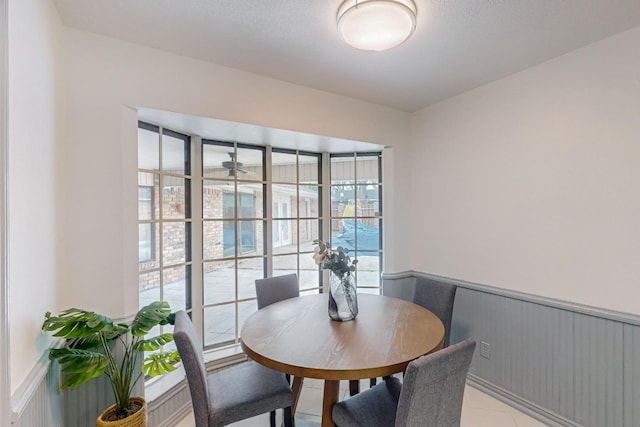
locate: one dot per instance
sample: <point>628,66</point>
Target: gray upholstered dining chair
<point>231,394</point>
<point>430,396</point>
<point>437,297</point>
<point>273,289</point>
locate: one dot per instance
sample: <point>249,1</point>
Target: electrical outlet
<point>484,349</point>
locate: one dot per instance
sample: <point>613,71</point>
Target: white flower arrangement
<point>337,260</point>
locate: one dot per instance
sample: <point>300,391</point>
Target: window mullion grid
<point>197,222</point>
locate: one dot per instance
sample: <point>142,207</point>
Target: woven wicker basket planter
<point>139,419</point>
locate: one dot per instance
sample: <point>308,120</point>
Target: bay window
<point>214,216</point>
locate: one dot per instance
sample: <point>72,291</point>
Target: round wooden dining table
<point>296,336</point>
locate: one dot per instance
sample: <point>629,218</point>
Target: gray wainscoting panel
<point>83,405</point>
<point>568,364</point>
<point>173,406</point>
<point>631,376</point>
<point>48,406</point>
<point>43,407</point>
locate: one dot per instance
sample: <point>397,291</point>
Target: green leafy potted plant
<point>89,353</point>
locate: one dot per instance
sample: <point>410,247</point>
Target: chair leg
<point>372,382</point>
<point>288,418</point>
<point>272,418</point>
<point>354,387</point>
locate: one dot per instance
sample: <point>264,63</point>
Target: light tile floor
<point>478,409</point>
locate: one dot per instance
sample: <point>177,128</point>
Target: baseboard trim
<point>523,405</point>
<point>176,417</point>
<point>602,313</point>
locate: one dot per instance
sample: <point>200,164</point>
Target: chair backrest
<point>192,358</point>
<point>437,297</point>
<point>278,288</point>
<point>433,388</point>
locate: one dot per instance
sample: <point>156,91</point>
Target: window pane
<point>343,195</point>
<point>337,227</point>
<point>145,242</point>
<point>285,264</point>
<point>368,270</point>
<point>308,167</point>
<point>285,199</point>
<point>148,149</point>
<point>174,242</point>
<point>175,286</point>
<point>245,309</point>
<point>149,285</point>
<point>283,168</point>
<point>308,231</point>
<point>218,239</point>
<point>218,161</point>
<point>248,271</point>
<point>148,245</point>
<point>249,164</point>
<point>173,154</point>
<point>174,197</point>
<point>229,204</point>
<point>309,276</point>
<point>213,204</point>
<point>367,169</point>
<point>250,237</point>
<point>342,170</point>
<point>219,281</point>
<point>367,234</point>
<point>145,202</point>
<point>368,203</point>
<point>283,232</point>
<point>220,325</point>
<point>308,202</point>
<point>249,200</point>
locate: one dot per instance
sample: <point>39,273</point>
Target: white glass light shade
<point>376,24</point>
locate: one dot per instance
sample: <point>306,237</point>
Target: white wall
<point>105,77</point>
<point>33,139</point>
<point>531,183</point>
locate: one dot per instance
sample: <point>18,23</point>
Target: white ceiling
<point>458,44</point>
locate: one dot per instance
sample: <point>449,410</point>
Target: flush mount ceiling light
<point>376,24</point>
